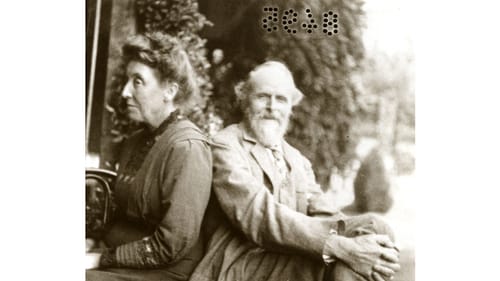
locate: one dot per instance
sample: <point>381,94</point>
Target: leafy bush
<point>372,187</point>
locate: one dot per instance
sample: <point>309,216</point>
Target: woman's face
<point>145,93</point>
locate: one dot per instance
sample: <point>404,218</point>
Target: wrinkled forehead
<point>271,79</point>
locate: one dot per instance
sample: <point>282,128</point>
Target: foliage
<point>322,67</point>
<point>388,81</point>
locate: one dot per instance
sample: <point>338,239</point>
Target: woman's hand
<point>92,260</point>
<point>368,254</point>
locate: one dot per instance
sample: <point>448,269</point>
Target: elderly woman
<point>165,171</point>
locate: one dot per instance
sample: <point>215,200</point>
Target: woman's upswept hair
<point>166,54</point>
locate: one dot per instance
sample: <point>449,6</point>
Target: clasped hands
<point>373,256</point>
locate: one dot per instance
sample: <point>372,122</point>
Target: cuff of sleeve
<point>108,258</point>
<point>328,259</point>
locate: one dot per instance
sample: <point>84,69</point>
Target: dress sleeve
<point>185,194</point>
<point>252,209</point>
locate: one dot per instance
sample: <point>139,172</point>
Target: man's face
<point>144,93</point>
<point>269,106</point>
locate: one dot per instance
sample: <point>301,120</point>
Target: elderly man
<point>270,220</point>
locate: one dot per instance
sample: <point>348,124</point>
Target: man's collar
<point>246,134</point>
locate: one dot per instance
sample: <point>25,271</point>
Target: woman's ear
<point>171,91</point>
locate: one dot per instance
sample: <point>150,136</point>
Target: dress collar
<point>173,117</point>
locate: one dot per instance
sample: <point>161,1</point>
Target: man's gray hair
<point>243,88</point>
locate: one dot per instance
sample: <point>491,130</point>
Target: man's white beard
<point>269,132</point>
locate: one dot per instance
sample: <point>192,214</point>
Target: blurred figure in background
<point>165,171</point>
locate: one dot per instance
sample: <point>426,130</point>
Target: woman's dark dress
<point>162,191</point>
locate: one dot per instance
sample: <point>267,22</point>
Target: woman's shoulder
<point>184,130</point>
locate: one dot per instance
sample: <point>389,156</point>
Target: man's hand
<point>373,256</point>
<point>92,260</point>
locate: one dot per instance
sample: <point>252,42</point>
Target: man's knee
<point>341,272</point>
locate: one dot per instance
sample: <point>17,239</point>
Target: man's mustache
<point>270,116</point>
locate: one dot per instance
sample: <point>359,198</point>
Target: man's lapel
<point>288,154</point>
<point>293,163</point>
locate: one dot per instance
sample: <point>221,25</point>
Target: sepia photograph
<point>258,140</point>
<point>249,140</point>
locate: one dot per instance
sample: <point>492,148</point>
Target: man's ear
<point>171,91</point>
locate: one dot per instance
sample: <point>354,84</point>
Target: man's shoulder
<point>231,135</point>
